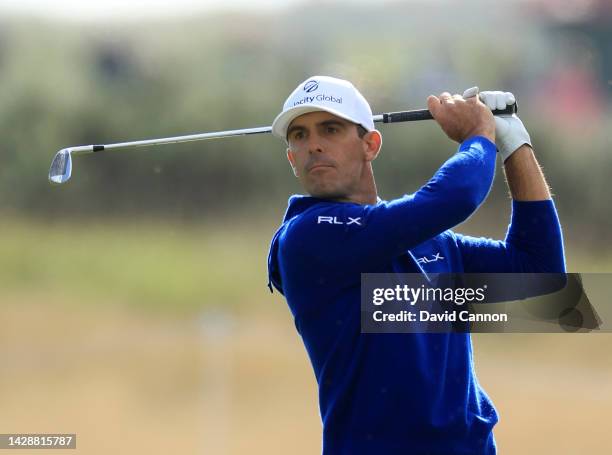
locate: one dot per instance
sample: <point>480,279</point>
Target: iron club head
<point>61,167</point>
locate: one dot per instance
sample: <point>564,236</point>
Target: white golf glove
<point>510,133</point>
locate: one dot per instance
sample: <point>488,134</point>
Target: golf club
<point>61,166</point>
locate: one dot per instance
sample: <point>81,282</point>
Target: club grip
<point>424,114</point>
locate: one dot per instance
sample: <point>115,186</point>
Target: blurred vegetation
<point>65,84</point>
<point>152,266</point>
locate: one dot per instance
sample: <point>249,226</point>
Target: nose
<point>314,143</point>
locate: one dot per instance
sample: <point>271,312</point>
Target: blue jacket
<point>401,393</point>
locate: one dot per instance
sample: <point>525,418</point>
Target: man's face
<point>328,156</point>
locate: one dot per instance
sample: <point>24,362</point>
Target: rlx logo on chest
<point>334,220</point>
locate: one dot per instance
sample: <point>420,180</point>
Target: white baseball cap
<point>324,93</point>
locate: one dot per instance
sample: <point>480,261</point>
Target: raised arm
<point>534,242</point>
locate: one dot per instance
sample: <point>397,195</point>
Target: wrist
<point>484,142</point>
<point>519,156</point>
<point>482,132</point>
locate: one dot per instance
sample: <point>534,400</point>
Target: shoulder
<point>327,226</point>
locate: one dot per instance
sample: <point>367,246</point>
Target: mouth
<point>319,166</point>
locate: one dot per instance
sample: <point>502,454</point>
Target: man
<point>398,393</point>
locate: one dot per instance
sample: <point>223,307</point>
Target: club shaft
<point>391,117</point>
<point>83,149</point>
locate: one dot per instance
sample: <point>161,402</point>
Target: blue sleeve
<point>533,244</point>
<point>361,237</point>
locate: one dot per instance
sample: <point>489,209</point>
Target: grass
<point>156,265</point>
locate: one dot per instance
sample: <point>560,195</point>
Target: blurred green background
<point>133,299</point>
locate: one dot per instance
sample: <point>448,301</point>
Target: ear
<point>292,161</point>
<point>373,143</point>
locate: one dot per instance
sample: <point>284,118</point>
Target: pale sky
<point>130,9</point>
<point>99,10</point>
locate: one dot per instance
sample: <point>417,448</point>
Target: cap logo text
<point>319,97</point>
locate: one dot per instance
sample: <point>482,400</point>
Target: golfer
<point>387,394</point>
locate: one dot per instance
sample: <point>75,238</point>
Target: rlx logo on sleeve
<point>334,220</point>
<point>434,257</point>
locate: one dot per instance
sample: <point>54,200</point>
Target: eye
<point>296,135</point>
<point>332,129</point>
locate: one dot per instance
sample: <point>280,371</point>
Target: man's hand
<point>462,118</point>
<point>510,132</point>
<point>523,173</point>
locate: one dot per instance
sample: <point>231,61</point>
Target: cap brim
<point>284,119</point>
